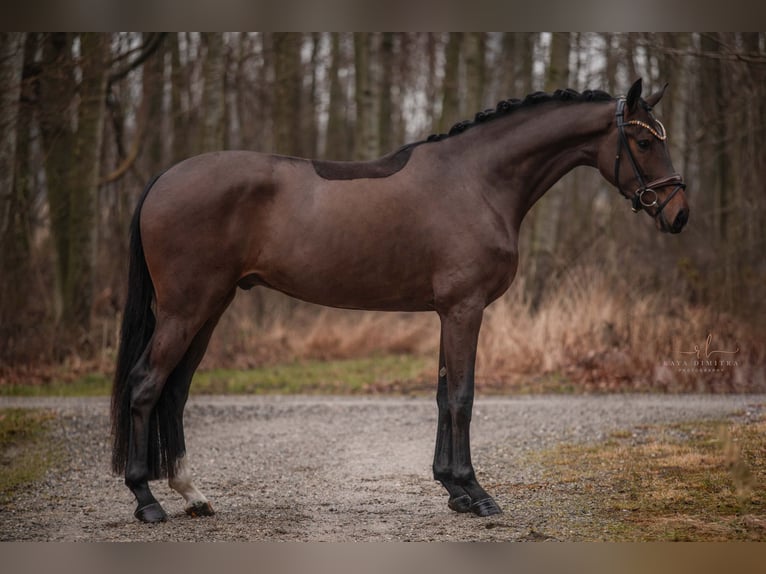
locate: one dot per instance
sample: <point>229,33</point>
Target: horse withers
<point>431,227</point>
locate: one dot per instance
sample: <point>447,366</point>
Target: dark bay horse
<point>431,227</point>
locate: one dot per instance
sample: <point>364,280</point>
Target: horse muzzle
<point>676,224</point>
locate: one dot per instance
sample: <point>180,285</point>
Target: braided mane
<point>505,107</point>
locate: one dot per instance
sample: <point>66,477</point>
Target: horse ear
<point>634,95</point>
<point>656,96</point>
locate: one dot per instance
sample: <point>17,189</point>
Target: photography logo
<point>708,358</point>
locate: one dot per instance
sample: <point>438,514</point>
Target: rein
<point>638,199</point>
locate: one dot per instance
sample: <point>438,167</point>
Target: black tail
<point>138,324</point>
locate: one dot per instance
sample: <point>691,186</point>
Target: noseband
<point>646,195</point>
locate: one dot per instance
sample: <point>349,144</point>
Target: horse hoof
<point>485,507</point>
<point>460,503</point>
<point>200,508</point>
<point>151,513</point>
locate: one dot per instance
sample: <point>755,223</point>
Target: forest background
<point>602,301</point>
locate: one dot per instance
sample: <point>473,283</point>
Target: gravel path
<point>333,468</point>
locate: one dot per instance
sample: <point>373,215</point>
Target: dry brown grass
<point>596,333</point>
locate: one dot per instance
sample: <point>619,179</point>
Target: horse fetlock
<point>460,504</point>
<point>442,472</point>
<point>464,476</point>
<point>136,480</point>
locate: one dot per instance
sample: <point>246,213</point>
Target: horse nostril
<point>680,221</point>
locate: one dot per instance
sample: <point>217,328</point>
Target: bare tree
<point>338,136</point>
<point>11,61</point>
<point>451,87</point>
<point>287,92</point>
<point>78,284</point>
<point>366,138</point>
<point>214,105</point>
<point>12,235</point>
<point>72,184</point>
<point>475,72</point>
<point>548,210</point>
<point>153,86</point>
<point>386,125</point>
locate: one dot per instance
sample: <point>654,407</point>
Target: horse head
<point>641,168</point>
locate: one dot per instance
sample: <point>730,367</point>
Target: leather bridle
<point>646,191</point>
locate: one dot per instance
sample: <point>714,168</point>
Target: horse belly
<point>351,283</point>
<point>353,262</point>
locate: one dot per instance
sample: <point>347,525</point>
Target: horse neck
<point>528,151</point>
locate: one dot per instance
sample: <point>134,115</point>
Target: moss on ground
<point>694,481</point>
<point>26,454</point>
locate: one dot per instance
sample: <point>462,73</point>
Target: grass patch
<point>89,385</point>
<point>391,374</point>
<point>395,373</point>
<point>701,481</point>
<point>25,452</point>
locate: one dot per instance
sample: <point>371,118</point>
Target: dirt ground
<point>335,468</point>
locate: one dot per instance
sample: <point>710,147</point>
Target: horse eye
<point>644,144</point>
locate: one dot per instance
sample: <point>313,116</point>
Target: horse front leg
<point>459,500</point>
<point>460,335</point>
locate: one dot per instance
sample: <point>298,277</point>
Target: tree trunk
<point>153,87</point>
<point>612,57</point>
<point>508,65</point>
<point>476,73</point>
<point>287,92</point>
<point>310,118</point>
<point>57,87</point>
<point>451,86</point>
<point>11,62</point>
<point>336,146</point>
<point>213,107</point>
<point>386,114</point>
<point>525,51</point>
<point>180,116</point>
<point>72,164</point>
<point>78,287</point>
<point>713,85</point>
<point>13,254</point>
<point>629,43</point>
<point>432,87</point>
<point>753,157</point>
<point>548,209</point>
<point>366,96</point>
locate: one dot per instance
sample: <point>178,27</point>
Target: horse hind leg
<point>154,440</point>
<point>196,502</point>
<point>179,383</point>
<point>159,390</point>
